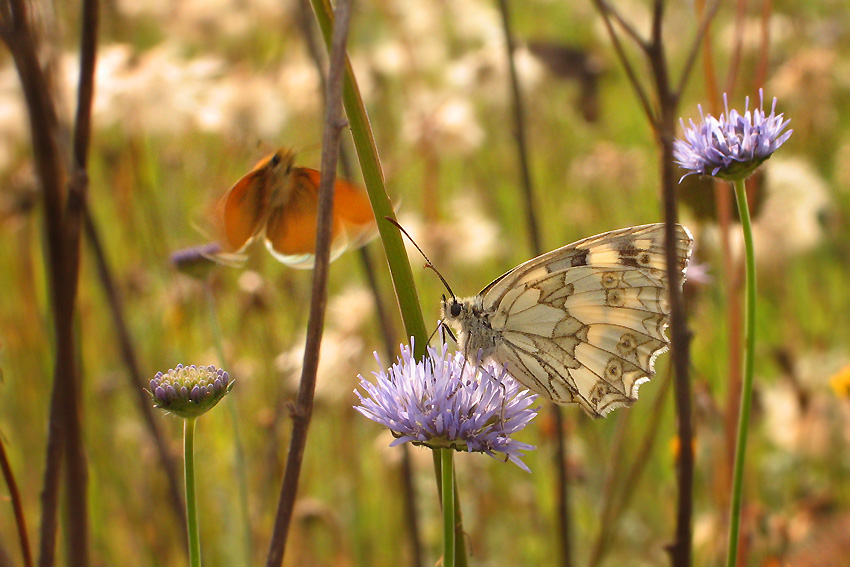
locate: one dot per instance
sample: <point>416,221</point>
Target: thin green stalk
<point>191,502</point>
<point>447,476</point>
<point>370,166</point>
<point>367,154</point>
<point>460,542</point>
<point>749,366</point>
<point>238,445</point>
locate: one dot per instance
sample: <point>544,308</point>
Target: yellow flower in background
<point>840,382</point>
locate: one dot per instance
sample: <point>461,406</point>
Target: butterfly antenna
<point>427,260</point>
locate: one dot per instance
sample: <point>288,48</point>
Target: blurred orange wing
<point>242,209</point>
<point>291,228</point>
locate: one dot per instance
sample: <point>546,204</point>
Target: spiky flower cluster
<point>190,391</point>
<point>445,401</point>
<point>734,145</point>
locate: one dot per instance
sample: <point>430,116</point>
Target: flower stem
<point>447,473</point>
<point>747,386</point>
<point>191,503</point>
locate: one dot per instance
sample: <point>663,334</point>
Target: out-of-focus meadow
<point>190,94</point>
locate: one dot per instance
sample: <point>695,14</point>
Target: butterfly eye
<point>455,309</point>
<point>275,161</point>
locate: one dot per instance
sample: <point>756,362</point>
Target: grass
<point>148,188</point>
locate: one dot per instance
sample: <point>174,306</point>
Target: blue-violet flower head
<point>734,145</point>
<point>190,391</point>
<point>444,401</point>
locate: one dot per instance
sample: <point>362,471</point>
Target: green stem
<point>367,154</point>
<point>191,502</point>
<point>749,366</point>
<point>238,445</point>
<point>447,477</point>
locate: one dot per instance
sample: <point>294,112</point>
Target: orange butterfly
<point>280,201</point>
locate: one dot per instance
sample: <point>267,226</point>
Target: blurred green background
<point>190,94</point>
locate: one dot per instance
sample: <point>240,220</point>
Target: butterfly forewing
<point>584,323</point>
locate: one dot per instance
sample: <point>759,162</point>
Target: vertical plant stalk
<point>730,274</point>
<point>749,367</point>
<point>459,541</point>
<point>62,216</point>
<point>662,120</point>
<point>77,471</point>
<point>370,166</point>
<point>191,497</point>
<point>238,443</point>
<point>17,506</point>
<point>411,516</point>
<point>681,549</point>
<point>448,501</point>
<point>533,230</point>
<point>134,375</point>
<point>519,132</point>
<point>334,123</point>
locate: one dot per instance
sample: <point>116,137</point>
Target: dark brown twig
<point>77,471</point>
<point>17,506</point>
<point>533,229</point>
<point>519,132</point>
<point>607,11</point>
<point>334,124</point>
<point>690,62</point>
<point>388,334</point>
<point>62,254</point>
<point>663,123</point>
<point>134,374</point>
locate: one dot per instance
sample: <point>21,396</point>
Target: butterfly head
<point>475,335</point>
<point>283,160</point>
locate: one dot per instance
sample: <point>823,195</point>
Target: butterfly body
<point>279,202</point>
<point>581,324</point>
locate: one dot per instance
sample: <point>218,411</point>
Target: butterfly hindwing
<point>291,228</point>
<point>584,323</point>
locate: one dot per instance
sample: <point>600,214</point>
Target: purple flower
<point>733,146</point>
<point>445,401</point>
<point>196,261</point>
<point>190,391</point>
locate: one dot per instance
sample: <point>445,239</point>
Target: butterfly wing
<point>243,209</point>
<point>291,227</point>
<point>584,323</point>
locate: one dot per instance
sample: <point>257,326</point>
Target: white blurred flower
<point>343,353</point>
<point>468,238</point>
<point>807,84</point>
<point>789,222</point>
<point>804,428</point>
<point>781,28</point>
<point>609,165</point>
<point>298,84</point>
<point>476,237</point>
<point>244,104</point>
<point>351,309</point>
<point>201,19</point>
<point>161,92</point>
<point>340,358</point>
<point>13,115</point>
<point>448,125</point>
